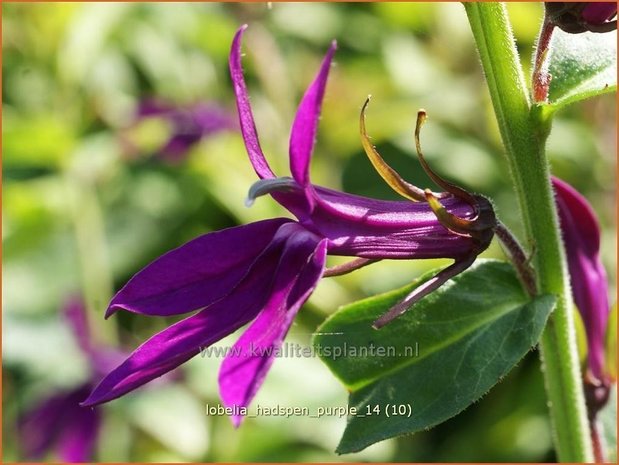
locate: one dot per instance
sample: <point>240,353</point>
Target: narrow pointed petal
<point>196,274</point>
<point>423,290</point>
<point>581,234</point>
<point>75,315</point>
<point>167,350</point>
<point>184,340</point>
<point>246,117</point>
<point>300,269</point>
<point>305,126</point>
<point>102,359</point>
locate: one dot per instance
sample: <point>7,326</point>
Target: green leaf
<point>437,359</point>
<point>582,66</point>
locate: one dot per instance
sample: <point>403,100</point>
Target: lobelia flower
<point>581,234</point>
<point>578,17</point>
<point>188,124</point>
<point>59,424</point>
<point>263,272</point>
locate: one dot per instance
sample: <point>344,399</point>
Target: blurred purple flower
<point>581,234</point>
<point>188,124</point>
<point>578,17</point>
<point>266,270</point>
<point>59,424</point>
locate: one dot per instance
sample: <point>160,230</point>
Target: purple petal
<point>37,428</point>
<point>305,126</point>
<point>362,227</point>
<point>77,442</point>
<point>581,234</point>
<point>153,107</point>
<point>102,359</point>
<point>75,314</point>
<point>599,12</point>
<point>211,119</point>
<point>45,428</point>
<point>300,269</point>
<point>184,340</point>
<point>197,273</point>
<point>246,118</point>
<point>178,145</point>
<point>190,125</point>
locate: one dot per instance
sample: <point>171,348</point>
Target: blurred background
<point>120,142</point>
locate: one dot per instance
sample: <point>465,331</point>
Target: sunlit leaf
<point>44,141</point>
<point>582,66</point>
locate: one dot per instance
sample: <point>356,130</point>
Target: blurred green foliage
<point>81,214</point>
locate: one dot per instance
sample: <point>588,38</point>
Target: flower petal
<point>182,341</point>
<point>599,12</point>
<point>77,442</point>
<point>211,118</point>
<point>177,147</point>
<point>195,274</point>
<point>581,234</point>
<point>153,107</point>
<point>43,429</point>
<point>244,369</point>
<point>102,359</point>
<point>75,314</point>
<point>246,118</point>
<point>368,228</point>
<point>305,126</point>
<point>38,427</point>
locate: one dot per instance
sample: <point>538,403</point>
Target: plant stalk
<point>97,285</point>
<point>524,134</point>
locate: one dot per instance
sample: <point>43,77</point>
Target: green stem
<point>524,133</point>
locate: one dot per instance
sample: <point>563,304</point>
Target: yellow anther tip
<point>421,117</point>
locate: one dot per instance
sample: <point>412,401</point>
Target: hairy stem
<point>518,256</point>
<point>540,78</point>
<point>524,135</point>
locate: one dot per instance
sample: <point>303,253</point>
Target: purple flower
<point>578,17</point>
<point>59,423</point>
<point>581,234</point>
<point>263,272</point>
<point>599,13</point>
<point>188,124</point>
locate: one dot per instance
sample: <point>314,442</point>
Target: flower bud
<point>578,17</point>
